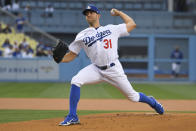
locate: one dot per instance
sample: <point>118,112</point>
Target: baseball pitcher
<point>100,43</point>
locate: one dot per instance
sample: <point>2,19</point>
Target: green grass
<point>26,115</point>
<point>168,91</point>
<point>100,91</point>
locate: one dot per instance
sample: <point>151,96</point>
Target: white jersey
<point>100,44</point>
<point>101,47</point>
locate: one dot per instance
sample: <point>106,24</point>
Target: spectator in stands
<point>15,8</point>
<point>23,44</point>
<point>176,55</point>
<point>7,29</point>
<point>23,53</point>
<point>26,54</point>
<point>29,49</point>
<point>15,44</point>
<point>49,53</point>
<point>40,53</point>
<point>7,5</point>
<point>40,45</point>
<point>29,53</point>
<point>6,43</point>
<point>43,50</point>
<point>17,53</point>
<point>20,21</point>
<point>8,51</point>
<point>49,11</point>
<point>47,47</point>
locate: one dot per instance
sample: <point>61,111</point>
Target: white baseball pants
<point>114,75</point>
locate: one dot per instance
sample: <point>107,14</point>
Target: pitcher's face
<point>92,17</point>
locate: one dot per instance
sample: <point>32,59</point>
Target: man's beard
<point>91,23</point>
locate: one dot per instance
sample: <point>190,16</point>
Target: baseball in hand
<point>112,12</point>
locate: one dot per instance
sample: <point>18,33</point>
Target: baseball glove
<point>59,51</point>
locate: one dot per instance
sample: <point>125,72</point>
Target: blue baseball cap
<point>91,8</point>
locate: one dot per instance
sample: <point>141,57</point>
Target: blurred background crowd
<point>14,43</point>
<point>161,43</point>
<point>24,46</point>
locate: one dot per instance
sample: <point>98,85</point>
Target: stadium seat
<point>41,4</point>
<point>37,19</point>
<point>163,20</point>
<point>144,21</point>
<point>16,37</point>
<point>75,5</point>
<point>109,6</point>
<point>118,5</point>
<point>63,5</point>
<point>57,5</point>
<point>99,5</point>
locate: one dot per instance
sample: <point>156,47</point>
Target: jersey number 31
<point>108,43</point>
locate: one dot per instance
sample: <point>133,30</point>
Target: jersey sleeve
<point>121,30</point>
<point>75,46</point>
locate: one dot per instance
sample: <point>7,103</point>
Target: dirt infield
<point>112,122</point>
<point>93,104</point>
<point>105,122</point>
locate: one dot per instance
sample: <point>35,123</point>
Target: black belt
<point>105,67</point>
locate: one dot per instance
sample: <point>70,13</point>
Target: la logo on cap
<point>88,7</point>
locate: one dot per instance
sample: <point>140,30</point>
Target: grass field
<point>98,91</point>
<point>24,115</point>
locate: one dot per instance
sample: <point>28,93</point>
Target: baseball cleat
<point>70,120</point>
<point>158,107</point>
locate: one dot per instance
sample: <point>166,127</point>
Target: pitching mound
<point>112,122</point>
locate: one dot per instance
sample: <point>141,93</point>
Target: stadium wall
<point>44,69</point>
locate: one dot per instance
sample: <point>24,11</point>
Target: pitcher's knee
<point>134,97</point>
<point>76,81</point>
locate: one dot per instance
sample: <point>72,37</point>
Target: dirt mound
<point>112,122</point>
